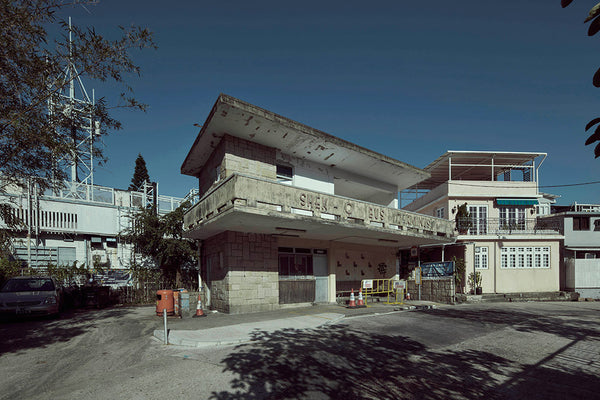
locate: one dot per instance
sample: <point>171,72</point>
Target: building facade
<point>288,214</point>
<point>580,225</point>
<point>502,237</point>
<point>78,224</point>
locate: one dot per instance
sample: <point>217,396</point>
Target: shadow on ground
<point>336,362</point>
<point>573,328</point>
<point>17,335</point>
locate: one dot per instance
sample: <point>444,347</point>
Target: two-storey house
<point>290,214</point>
<point>502,238</point>
<point>580,225</point>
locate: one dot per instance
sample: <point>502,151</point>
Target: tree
<point>594,16</point>
<point>33,139</point>
<point>140,174</point>
<point>34,136</point>
<point>160,238</point>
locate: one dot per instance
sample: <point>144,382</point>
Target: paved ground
<point>508,350</point>
<point>216,329</point>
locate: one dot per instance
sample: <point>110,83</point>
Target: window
<point>481,257</point>
<point>512,218</point>
<point>439,212</point>
<point>525,257</point>
<point>581,223</point>
<point>478,215</point>
<point>295,263</point>
<point>285,174</point>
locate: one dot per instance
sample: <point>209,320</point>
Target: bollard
<point>165,322</point>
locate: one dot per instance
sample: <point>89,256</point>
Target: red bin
<point>164,300</point>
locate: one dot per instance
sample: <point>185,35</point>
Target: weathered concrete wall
<point>242,272</point>
<point>249,158</point>
<point>438,290</point>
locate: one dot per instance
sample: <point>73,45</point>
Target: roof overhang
<point>231,116</point>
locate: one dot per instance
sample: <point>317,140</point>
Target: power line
<point>461,183</point>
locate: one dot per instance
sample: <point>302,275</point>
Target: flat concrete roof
<point>237,118</point>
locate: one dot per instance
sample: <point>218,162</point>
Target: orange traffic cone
<point>360,302</point>
<point>352,302</point>
<point>199,311</point>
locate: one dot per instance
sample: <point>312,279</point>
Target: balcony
<point>247,204</point>
<point>502,227</point>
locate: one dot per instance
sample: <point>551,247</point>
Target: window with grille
<point>512,218</point>
<point>581,223</point>
<point>481,257</point>
<point>525,257</point>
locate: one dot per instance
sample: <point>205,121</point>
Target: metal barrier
<point>389,287</point>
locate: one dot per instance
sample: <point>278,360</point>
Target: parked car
<point>30,295</point>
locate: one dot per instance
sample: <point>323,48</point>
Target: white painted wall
<point>326,179</point>
<point>589,238</point>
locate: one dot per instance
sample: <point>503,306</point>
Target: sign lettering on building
<point>376,214</point>
<point>313,202</point>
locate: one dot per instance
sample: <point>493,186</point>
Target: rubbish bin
<point>164,300</point>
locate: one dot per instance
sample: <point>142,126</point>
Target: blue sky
<point>410,80</point>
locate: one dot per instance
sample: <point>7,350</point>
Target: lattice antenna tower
<point>73,100</point>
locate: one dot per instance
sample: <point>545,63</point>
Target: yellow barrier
<point>382,287</point>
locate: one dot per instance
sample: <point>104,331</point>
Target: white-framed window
<point>481,257</point>
<point>440,212</point>
<point>525,257</point>
<point>512,218</point>
<point>478,215</point>
<point>285,174</point>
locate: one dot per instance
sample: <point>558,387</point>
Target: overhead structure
<point>73,101</point>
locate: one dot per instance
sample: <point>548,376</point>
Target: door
<point>321,278</point>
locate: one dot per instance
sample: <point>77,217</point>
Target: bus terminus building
<point>290,214</point>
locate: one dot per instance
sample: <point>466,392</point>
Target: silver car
<point>29,295</point>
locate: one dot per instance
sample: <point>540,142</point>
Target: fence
<point>384,288</point>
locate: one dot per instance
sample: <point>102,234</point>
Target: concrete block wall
<point>249,158</point>
<point>438,290</point>
<point>248,279</point>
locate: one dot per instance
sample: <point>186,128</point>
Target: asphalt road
<point>498,351</point>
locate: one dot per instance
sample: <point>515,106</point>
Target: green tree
<point>160,238</point>
<point>32,65</point>
<point>33,138</point>
<point>140,174</point>
<point>594,16</point>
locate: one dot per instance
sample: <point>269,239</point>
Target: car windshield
<point>28,285</point>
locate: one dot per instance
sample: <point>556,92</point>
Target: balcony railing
<point>496,226</point>
<point>246,193</point>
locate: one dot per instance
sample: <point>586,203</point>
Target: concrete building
<point>79,223</point>
<point>505,242</point>
<point>290,214</point>
<point>580,225</point>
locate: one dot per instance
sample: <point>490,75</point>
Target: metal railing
<point>383,287</point>
<point>498,226</point>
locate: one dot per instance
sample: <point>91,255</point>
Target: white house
<point>79,223</point>
<point>580,225</point>
<point>505,242</point>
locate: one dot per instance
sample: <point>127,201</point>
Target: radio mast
<point>73,101</point>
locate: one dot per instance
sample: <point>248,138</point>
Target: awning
<point>582,248</point>
<point>516,202</point>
